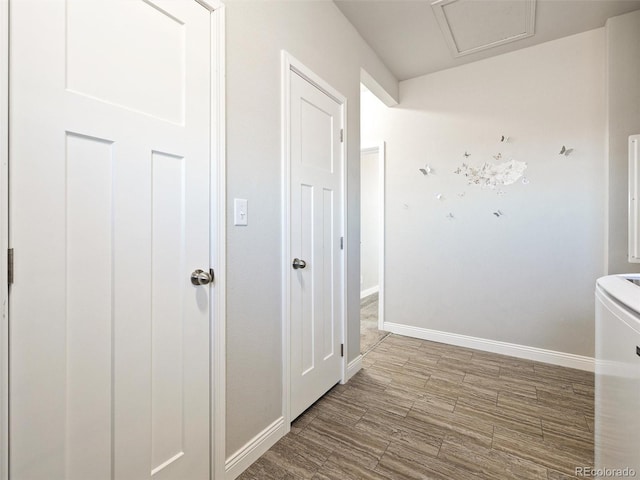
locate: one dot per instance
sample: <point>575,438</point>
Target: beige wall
<point>623,116</point>
<point>527,277</point>
<point>318,35</point>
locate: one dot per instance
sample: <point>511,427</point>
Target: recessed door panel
<point>316,136</point>
<point>112,59</point>
<point>89,306</point>
<point>307,311</point>
<point>329,316</point>
<point>167,310</point>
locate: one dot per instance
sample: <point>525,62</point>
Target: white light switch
<point>240,211</point>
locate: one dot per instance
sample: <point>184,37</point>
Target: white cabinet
<point>634,190</point>
<point>617,392</point>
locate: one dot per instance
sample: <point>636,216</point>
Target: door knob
<point>297,263</point>
<point>200,277</point>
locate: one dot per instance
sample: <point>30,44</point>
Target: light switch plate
<point>240,212</point>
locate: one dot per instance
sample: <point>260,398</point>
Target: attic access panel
<point>470,26</point>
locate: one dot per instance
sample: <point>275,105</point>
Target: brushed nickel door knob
<point>200,277</point>
<point>297,263</point>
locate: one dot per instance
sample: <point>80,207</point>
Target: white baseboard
<point>369,291</point>
<point>562,359</point>
<point>258,445</point>
<point>353,367</point>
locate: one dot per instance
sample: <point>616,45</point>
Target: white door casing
<point>218,238</point>
<point>4,239</point>
<point>110,130</point>
<point>315,229</point>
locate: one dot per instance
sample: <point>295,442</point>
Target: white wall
<point>527,277</point>
<point>317,34</point>
<point>371,123</point>
<point>369,221</point>
<point>623,105</point>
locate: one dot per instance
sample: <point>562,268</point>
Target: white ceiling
<point>408,39</point>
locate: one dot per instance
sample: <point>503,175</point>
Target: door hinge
<point>10,266</point>
<point>341,135</point>
<point>342,349</point>
<point>341,243</point>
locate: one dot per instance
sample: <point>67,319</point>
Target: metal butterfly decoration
<point>427,170</point>
<point>565,151</point>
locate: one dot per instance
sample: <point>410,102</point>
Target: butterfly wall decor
<point>565,151</point>
<point>427,170</point>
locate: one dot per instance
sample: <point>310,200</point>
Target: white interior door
<point>316,225</point>
<point>109,154</point>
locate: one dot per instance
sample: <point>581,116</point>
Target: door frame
<point>217,158</point>
<point>379,149</point>
<point>218,249</point>
<point>4,239</point>
<point>291,64</point>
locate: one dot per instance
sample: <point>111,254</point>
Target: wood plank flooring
<point>369,333</point>
<point>425,410</point>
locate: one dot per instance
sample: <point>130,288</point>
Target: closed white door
<point>316,223</point>
<point>109,180</point>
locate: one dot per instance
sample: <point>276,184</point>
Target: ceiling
<point>408,39</point>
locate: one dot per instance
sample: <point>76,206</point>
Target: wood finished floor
<point>369,333</point>
<point>425,410</point>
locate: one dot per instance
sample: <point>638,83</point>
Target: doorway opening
<point>372,181</point>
